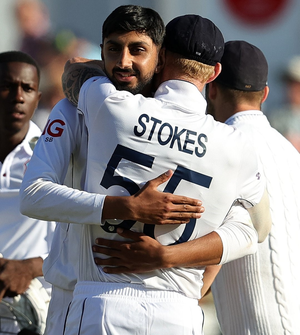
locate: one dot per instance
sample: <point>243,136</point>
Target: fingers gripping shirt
<point>133,139</point>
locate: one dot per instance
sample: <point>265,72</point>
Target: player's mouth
<point>121,77</point>
<point>18,115</point>
<point>124,76</point>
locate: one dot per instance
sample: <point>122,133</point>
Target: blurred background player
<point>286,119</point>
<point>51,47</point>
<point>24,242</point>
<point>259,294</point>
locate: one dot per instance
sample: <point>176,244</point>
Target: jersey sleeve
<point>42,194</point>
<point>250,180</point>
<point>238,235</point>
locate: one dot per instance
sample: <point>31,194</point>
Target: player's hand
<point>152,206</point>
<point>76,71</point>
<point>142,254</point>
<point>16,275</point>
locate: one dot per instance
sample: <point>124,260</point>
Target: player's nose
<point>125,59</point>
<point>17,94</point>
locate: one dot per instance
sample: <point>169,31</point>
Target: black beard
<point>134,90</point>
<point>125,87</point>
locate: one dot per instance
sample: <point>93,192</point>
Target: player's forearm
<point>234,239</point>
<point>144,254</point>
<point>231,241</point>
<point>206,250</point>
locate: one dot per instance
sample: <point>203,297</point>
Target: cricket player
<point>261,291</point>
<point>147,135</point>
<point>24,242</point>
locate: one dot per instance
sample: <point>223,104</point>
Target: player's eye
<point>4,87</point>
<point>137,50</point>
<point>113,48</point>
<point>28,88</point>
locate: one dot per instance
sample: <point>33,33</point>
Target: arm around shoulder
<point>77,70</point>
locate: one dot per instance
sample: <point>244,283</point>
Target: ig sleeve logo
<point>53,129</point>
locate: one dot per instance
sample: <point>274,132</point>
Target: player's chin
<point>130,87</point>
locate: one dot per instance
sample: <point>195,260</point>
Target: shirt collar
<point>183,94</point>
<point>31,137</point>
<point>241,115</point>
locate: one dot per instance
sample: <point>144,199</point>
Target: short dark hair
<point>19,56</point>
<point>234,96</point>
<point>135,18</point>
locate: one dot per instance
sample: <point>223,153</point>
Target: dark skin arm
<point>16,275</point>
<point>143,253</point>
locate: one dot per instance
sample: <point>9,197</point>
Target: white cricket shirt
<point>261,291</point>
<point>60,157</point>
<point>20,237</point>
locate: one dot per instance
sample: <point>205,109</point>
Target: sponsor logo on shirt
<point>53,129</point>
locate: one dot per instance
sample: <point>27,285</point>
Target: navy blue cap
<point>196,38</point>
<point>244,67</point>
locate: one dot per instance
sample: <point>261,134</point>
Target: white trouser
<point>58,308</point>
<point>127,309</point>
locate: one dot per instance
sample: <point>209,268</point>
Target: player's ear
<point>217,71</point>
<point>161,60</point>
<point>101,46</point>
<point>39,98</point>
<point>266,93</point>
<point>37,101</point>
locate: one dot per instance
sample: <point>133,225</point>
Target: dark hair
<point>135,18</point>
<point>19,56</point>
